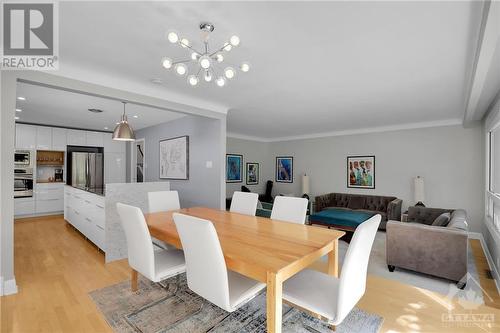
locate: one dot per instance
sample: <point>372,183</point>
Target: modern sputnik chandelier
<point>206,64</point>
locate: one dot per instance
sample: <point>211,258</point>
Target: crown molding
<point>409,126</point>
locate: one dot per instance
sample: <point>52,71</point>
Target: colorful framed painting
<point>174,158</point>
<point>234,168</point>
<point>252,173</point>
<point>361,172</point>
<point>284,169</point>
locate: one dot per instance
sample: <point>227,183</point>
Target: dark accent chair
<point>388,207</point>
<point>245,189</point>
<point>419,246</point>
<point>267,197</point>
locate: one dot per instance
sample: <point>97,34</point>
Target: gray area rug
<point>171,307</point>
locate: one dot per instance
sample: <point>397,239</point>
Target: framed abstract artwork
<point>252,173</point>
<point>174,158</point>
<point>361,172</point>
<point>284,169</point>
<point>234,168</point>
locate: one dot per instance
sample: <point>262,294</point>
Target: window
<point>493,197</point>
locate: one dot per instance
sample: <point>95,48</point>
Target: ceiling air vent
<point>95,110</point>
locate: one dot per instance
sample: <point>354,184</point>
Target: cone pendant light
<point>123,131</point>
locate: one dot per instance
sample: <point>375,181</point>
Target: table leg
<point>274,303</point>
<point>133,280</point>
<point>333,260</point>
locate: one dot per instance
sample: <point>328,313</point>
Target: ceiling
<point>48,106</point>
<point>316,66</point>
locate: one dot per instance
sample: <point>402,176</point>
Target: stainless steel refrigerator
<point>87,170</point>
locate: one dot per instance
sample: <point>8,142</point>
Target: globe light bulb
<point>172,37</point>
<point>184,42</point>
<point>234,40</point>
<point>166,62</point>
<point>245,67</point>
<point>229,72</point>
<point>221,81</point>
<point>194,56</point>
<point>181,69</point>
<point>219,57</point>
<point>205,62</point>
<point>208,76</point>
<point>228,47</point>
<point>193,80</point>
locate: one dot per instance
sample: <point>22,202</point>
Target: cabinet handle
<point>87,201</point>
<point>76,212</point>
<point>76,196</point>
<point>88,219</point>
<point>99,206</point>
<point>97,225</point>
<point>50,199</point>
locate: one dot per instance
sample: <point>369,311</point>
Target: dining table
<point>267,250</point>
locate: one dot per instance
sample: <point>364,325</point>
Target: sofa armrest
<point>394,210</point>
<point>438,251</point>
<point>322,201</point>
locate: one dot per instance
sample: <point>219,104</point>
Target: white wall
<point>253,152</point>
<point>450,158</point>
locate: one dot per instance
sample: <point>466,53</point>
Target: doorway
<point>138,161</point>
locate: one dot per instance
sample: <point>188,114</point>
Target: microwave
<point>22,158</point>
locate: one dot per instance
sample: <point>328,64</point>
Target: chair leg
<point>133,280</point>
<point>391,268</point>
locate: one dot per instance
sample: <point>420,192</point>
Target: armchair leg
<point>133,280</point>
<point>461,285</point>
<point>391,268</point>
<point>333,327</point>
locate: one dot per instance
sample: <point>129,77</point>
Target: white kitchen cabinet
<point>49,198</point>
<point>113,146</point>
<point>24,207</point>
<point>94,139</point>
<point>25,136</point>
<point>43,138</point>
<point>59,139</point>
<point>76,137</point>
<point>114,168</point>
<point>86,212</point>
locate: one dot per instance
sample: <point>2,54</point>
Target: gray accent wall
<point>450,158</point>
<point>203,186</point>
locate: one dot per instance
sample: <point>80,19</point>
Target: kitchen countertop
<point>94,190</point>
<point>46,181</point>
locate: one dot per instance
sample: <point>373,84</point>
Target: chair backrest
<point>290,209</point>
<point>205,266</point>
<point>352,284</point>
<point>269,188</point>
<point>161,201</point>
<point>139,243</point>
<point>244,203</point>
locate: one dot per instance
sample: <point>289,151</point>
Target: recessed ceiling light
<point>118,123</point>
<point>156,81</point>
<point>16,118</point>
<point>95,110</point>
<point>19,110</point>
<point>21,98</point>
<point>135,116</point>
<point>106,128</point>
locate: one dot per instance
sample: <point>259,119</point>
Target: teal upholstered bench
<point>340,218</point>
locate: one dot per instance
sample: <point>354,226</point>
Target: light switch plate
<point>209,164</point>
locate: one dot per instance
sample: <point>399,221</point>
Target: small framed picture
<point>361,172</point>
<point>252,173</point>
<point>284,169</point>
<point>174,158</point>
<point>234,168</point>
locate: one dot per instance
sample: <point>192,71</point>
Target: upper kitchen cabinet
<point>94,139</point>
<point>25,136</point>
<point>43,138</point>
<point>113,146</point>
<point>76,138</point>
<point>59,139</point>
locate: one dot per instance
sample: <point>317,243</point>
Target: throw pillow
<point>442,220</point>
<point>356,203</point>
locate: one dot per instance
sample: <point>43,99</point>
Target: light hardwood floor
<point>56,268</point>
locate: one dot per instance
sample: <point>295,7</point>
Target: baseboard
<point>489,258</point>
<point>7,287</point>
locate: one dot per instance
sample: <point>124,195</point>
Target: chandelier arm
<point>181,62</point>
<point>199,70</point>
<point>189,47</point>
<point>221,49</point>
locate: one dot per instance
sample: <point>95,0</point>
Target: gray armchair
<point>436,250</point>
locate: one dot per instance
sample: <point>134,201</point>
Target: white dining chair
<point>244,203</point>
<point>206,270</point>
<point>154,265</point>
<point>160,201</point>
<point>329,297</point>
<point>289,209</point>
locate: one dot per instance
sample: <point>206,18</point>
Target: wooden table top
<point>254,246</point>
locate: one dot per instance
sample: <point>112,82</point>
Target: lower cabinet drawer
<point>49,206</point>
<point>22,207</point>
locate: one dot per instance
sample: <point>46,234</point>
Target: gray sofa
<point>388,207</point>
<point>419,246</point>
